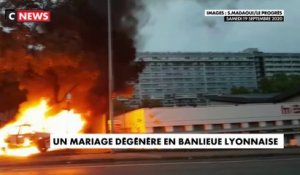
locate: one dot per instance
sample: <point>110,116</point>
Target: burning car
<point>30,132</point>
<point>23,136</point>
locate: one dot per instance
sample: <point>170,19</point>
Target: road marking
<point>69,166</point>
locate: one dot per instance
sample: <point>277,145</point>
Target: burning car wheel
<point>43,146</point>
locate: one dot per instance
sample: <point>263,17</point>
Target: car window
<point>25,130</point>
<point>13,131</point>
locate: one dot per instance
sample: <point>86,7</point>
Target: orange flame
<point>66,121</point>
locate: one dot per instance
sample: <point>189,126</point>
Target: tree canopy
<point>279,83</point>
<point>10,95</point>
<point>276,84</point>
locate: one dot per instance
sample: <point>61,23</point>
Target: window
<point>199,127</point>
<point>25,129</point>
<point>287,122</point>
<point>13,131</point>
<point>159,129</point>
<point>236,125</point>
<point>158,90</point>
<point>270,123</point>
<point>253,124</point>
<point>217,126</point>
<point>178,129</point>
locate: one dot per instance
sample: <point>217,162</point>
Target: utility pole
<point>110,69</point>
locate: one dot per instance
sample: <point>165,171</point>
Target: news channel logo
<point>14,15</point>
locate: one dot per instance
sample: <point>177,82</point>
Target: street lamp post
<point>110,69</point>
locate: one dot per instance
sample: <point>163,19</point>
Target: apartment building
<point>181,79</point>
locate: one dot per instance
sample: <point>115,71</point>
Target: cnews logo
<point>27,15</point>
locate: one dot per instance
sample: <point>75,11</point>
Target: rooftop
<point>250,52</point>
<point>256,98</point>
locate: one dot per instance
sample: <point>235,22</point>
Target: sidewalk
<point>78,158</point>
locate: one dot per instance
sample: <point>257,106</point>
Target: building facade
<point>181,79</point>
<point>248,118</point>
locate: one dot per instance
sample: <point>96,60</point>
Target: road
<point>250,166</point>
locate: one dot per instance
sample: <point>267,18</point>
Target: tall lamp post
<point>110,69</point>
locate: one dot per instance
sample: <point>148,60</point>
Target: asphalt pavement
<point>65,157</point>
<point>246,166</point>
<point>156,162</point>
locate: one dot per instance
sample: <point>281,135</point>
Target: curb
<point>67,161</point>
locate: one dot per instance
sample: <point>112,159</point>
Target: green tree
<point>240,90</point>
<point>279,83</point>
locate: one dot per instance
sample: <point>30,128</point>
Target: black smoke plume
<point>74,54</point>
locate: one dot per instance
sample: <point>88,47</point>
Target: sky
<point>180,26</point>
